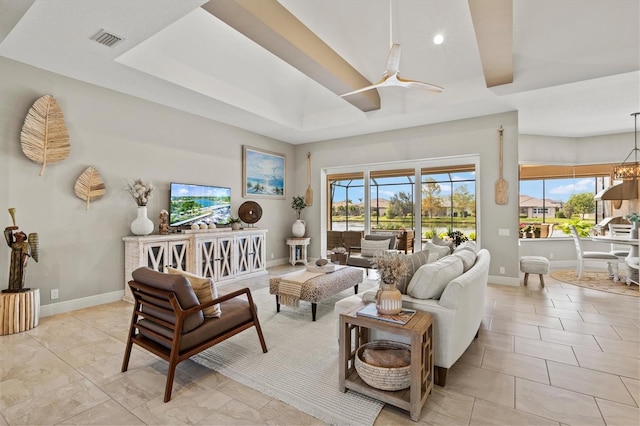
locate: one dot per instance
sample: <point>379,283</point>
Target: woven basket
<point>390,379</point>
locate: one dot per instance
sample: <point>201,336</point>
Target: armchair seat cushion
<point>360,261</point>
<point>236,312</point>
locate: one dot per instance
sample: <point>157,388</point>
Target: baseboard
<point>277,262</point>
<point>502,280</point>
<point>84,302</point>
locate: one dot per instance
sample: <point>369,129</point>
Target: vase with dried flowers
<point>141,191</point>
<point>391,267</point>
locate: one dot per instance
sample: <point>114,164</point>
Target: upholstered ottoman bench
<point>313,287</point>
<point>534,265</point>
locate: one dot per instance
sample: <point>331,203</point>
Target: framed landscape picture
<point>263,173</point>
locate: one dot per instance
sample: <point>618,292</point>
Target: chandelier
<point>630,171</point>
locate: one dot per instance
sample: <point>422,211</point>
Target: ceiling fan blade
<point>364,89</point>
<point>414,84</point>
<point>393,60</point>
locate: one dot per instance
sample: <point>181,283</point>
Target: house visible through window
<point>551,197</point>
<point>426,199</point>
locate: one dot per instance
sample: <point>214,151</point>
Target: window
<point>346,202</point>
<point>391,199</point>
<point>551,196</point>
<point>448,200</point>
<point>445,197</point>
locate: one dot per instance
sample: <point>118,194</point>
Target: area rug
<point>301,366</point>
<point>595,280</point>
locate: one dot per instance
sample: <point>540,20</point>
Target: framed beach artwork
<point>262,173</point>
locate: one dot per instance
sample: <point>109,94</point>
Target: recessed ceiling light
<point>438,39</point>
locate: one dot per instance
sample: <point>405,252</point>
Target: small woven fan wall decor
<point>89,185</point>
<point>44,136</point>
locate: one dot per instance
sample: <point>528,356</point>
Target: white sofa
<point>457,313</point>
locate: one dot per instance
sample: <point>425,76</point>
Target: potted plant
<point>299,226</point>
<point>234,222</point>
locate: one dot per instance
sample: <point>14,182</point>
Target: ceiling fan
<point>391,77</point>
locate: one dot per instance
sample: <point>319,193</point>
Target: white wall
<point>574,151</point>
<point>472,136</point>
<point>81,252</point>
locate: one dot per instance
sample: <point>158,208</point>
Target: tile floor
<point>559,355</point>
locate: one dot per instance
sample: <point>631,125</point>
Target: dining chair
<point>602,256</point>
<point>619,230</point>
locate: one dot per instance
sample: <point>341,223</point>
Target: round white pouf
<point>534,265</point>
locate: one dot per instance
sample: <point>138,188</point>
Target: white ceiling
<point>576,62</point>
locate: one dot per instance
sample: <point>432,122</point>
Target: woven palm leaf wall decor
<point>89,185</point>
<point>44,136</point>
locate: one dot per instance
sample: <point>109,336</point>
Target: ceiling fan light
<point>438,39</point>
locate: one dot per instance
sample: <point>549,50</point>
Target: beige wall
<point>471,136</point>
<point>125,137</point>
<point>81,252</point>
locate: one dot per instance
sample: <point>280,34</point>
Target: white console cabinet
<point>223,255</point>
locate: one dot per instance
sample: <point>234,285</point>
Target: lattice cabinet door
<point>155,255</point>
<point>178,254</point>
<point>205,258</point>
<point>225,258</point>
<point>244,254</point>
<point>258,252</point>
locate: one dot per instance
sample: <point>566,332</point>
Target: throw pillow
<point>205,290</point>
<point>431,279</point>
<point>413,261</point>
<point>442,251</point>
<point>369,248</point>
<point>468,257</point>
<point>467,245</point>
<point>440,242</point>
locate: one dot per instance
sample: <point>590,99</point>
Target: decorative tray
<point>329,267</point>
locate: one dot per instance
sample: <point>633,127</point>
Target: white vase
<point>142,225</point>
<point>298,228</point>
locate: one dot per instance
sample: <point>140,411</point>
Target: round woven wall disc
<point>250,212</point>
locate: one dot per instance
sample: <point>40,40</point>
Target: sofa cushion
<point>467,245</point>
<point>430,280</point>
<point>467,256</point>
<point>440,242</point>
<point>413,261</point>
<point>442,251</point>
<point>369,248</point>
<point>205,290</point>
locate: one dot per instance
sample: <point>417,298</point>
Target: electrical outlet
<point>54,294</point>
<point>272,255</point>
<point>550,255</point>
<point>502,270</point>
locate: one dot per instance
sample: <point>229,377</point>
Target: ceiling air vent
<point>106,38</point>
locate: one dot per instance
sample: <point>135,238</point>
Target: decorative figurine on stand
<point>22,248</point>
<point>163,227</point>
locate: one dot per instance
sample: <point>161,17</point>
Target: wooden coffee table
<point>354,332</point>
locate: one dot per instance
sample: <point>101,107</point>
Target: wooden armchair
<point>168,320</point>
<point>405,241</point>
<point>363,258</point>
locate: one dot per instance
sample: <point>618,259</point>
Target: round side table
<point>19,311</point>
